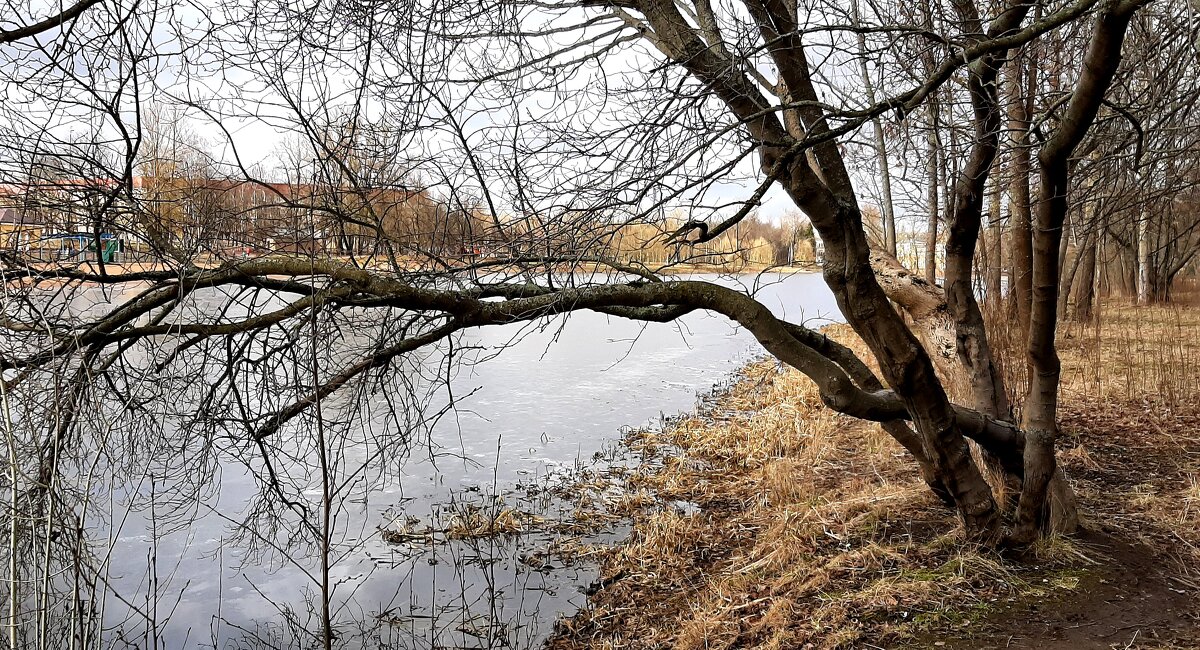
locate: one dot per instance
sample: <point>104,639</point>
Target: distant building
<point>18,229</point>
<point>190,216</point>
<point>239,216</point>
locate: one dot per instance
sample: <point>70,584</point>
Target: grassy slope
<point>813,530</point>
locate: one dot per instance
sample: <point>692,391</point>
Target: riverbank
<point>812,530</point>
<point>415,265</point>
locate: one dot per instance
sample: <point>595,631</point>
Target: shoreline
<point>752,459</point>
<point>116,268</point>
<point>813,530</point>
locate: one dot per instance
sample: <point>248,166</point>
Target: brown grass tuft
<point>814,531</point>
<point>471,522</point>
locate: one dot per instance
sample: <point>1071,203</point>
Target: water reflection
<point>526,407</point>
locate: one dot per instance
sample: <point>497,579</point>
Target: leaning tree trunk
<point>903,361</point>
<point>826,194</point>
<point>1067,269</point>
<point>813,173</point>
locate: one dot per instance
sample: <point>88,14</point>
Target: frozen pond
<point>533,401</point>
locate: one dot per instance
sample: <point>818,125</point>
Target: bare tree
<point>464,165</point>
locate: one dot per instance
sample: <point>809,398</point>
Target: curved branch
<point>845,383</point>
<point>46,24</point>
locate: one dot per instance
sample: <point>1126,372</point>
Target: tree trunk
<point>1021,249</point>
<point>1145,265</point>
<point>994,273</point>
<point>928,63</point>
<point>931,226</point>
<point>1068,267</point>
<point>885,172</point>
<point>1041,405</point>
<point>1064,252</point>
<point>902,360</point>
<point>1085,280</point>
<point>821,186</point>
<point>1124,268</point>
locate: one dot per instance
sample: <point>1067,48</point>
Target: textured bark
<point>1040,414</point>
<point>994,273</point>
<point>925,304</point>
<point>931,196</point>
<point>1084,283</point>
<point>965,219</point>
<point>904,363</point>
<point>1021,249</point>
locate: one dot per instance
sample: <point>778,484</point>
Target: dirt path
<point>1127,601</point>
<point>1136,466</point>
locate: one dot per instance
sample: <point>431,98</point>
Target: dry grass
<point>1131,353</point>
<point>1130,417</point>
<point>471,522</point>
<point>1125,352</point>
<point>813,530</point>
<point>466,521</point>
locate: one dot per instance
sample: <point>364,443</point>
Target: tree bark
<point>1085,281</point>
<point>933,151</point>
<point>994,273</point>
<point>824,191</point>
<point>1020,276</point>
<point>1145,265</point>
<point>1041,405</point>
<point>925,304</point>
<point>888,208</point>
<point>931,196</point>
